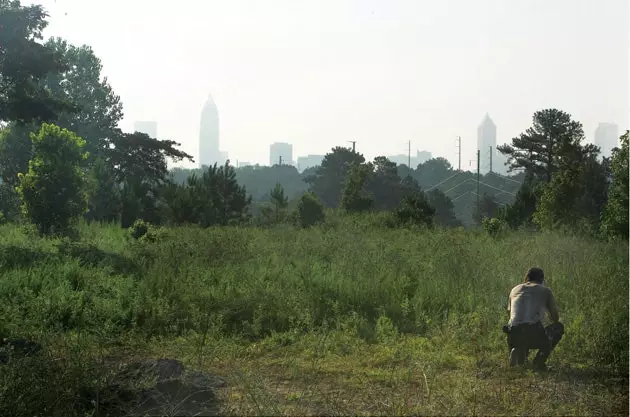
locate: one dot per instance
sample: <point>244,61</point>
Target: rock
<point>17,348</point>
<point>160,387</point>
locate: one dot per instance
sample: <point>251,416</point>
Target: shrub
<point>310,210</point>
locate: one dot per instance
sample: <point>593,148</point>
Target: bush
<point>310,211</point>
<point>414,209</point>
<point>494,226</point>
<point>52,191</point>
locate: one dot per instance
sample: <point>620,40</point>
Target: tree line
<point>63,157</point>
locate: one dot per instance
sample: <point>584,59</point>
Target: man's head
<point>535,275</point>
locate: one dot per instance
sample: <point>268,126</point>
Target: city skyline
<point>379,73</point>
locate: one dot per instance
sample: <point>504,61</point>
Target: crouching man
<point>527,305</point>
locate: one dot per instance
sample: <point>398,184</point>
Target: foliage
<point>214,198</point>
<point>488,207</point>
<point>575,196</point>
<point>97,109</point>
<point>9,202</point>
<point>384,184</point>
<point>494,226</point>
<point>549,145</point>
<point>24,63</point>
<point>354,197</point>
<point>310,211</point>
<point>52,191</point>
<point>104,196</point>
<point>16,150</point>
<point>615,216</point>
<point>330,178</point>
<point>414,209</point>
<point>444,214</point>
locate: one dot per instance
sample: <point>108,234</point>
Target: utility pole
<point>478,158</point>
<point>280,160</point>
<point>353,142</point>
<point>490,159</point>
<point>459,153</point>
<point>409,155</point>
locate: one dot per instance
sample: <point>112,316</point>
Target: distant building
<point>422,157</point>
<point>607,138</point>
<point>486,144</point>
<point>148,126</point>
<point>419,158</point>
<point>309,161</point>
<point>241,164</point>
<point>209,153</point>
<point>280,153</point>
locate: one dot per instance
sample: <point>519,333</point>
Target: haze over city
<point>320,74</point>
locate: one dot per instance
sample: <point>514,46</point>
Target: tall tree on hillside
<point>104,196</point>
<point>551,143</point>
<point>384,184</point>
<point>615,216</point>
<point>576,194</point>
<point>15,151</point>
<point>24,63</point>
<point>99,109</point>
<point>329,179</point>
<point>354,197</point>
<point>433,171</point>
<point>139,163</point>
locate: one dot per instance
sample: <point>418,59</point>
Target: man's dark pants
<point>524,337</point>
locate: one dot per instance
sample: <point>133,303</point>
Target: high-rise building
<point>419,158</point>
<point>422,157</point>
<point>607,138</point>
<point>486,144</point>
<point>147,126</point>
<point>209,153</point>
<point>309,161</point>
<point>280,153</point>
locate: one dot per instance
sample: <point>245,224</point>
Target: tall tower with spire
<point>486,138</point>
<point>209,152</point>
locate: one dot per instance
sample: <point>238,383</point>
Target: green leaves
<point>52,191</point>
<point>615,217</point>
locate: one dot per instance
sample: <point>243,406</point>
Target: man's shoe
<point>514,357</point>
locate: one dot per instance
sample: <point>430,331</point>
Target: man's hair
<point>535,275</point>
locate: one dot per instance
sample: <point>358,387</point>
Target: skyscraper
<point>280,151</point>
<point>147,126</point>
<point>486,138</point>
<point>209,152</point>
<point>607,137</point>
<point>309,161</point>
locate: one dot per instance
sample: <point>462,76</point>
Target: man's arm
<point>551,307</point>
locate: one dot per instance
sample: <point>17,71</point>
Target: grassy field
<point>345,318</point>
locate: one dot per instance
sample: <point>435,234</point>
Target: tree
<point>104,196</point>
<point>279,200</point>
<point>488,207</point>
<point>310,210</point>
<point>355,198</point>
<point>329,179</point>
<point>384,184</point>
<point>414,209</point>
<point>16,150</point>
<point>522,209</point>
<point>98,108</point>
<point>24,63</point>
<point>433,171</point>
<point>551,143</point>
<point>215,197</point>
<point>576,194</point>
<point>52,191</point>
<point>138,157</point>
<point>615,216</point>
<point>444,214</point>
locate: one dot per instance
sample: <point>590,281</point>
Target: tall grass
<point>251,283</point>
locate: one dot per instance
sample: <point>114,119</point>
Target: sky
<point>320,73</point>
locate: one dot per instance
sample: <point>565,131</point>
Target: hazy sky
<point>322,72</point>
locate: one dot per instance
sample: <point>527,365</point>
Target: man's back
<point>528,303</point>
